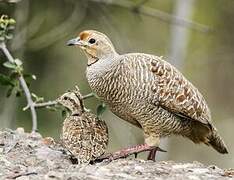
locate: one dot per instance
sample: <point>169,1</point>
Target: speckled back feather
<point>83,133</point>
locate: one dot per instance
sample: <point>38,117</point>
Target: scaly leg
<point>131,150</point>
<point>126,152</point>
<point>152,153</point>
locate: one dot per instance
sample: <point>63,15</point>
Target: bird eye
<point>65,98</point>
<point>92,41</point>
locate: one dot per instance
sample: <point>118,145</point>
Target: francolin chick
<point>148,92</point>
<point>83,133</point>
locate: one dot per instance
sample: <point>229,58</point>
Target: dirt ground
<point>29,156</point>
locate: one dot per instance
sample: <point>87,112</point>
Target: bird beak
<point>58,100</point>
<point>76,41</point>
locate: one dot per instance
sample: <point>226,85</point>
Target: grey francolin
<point>83,133</point>
<point>148,92</point>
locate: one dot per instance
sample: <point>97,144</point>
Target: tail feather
<point>217,143</point>
<point>207,134</point>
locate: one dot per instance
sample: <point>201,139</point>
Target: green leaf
<point>5,80</point>
<point>6,26</point>
<point>101,109</point>
<point>9,65</point>
<point>11,21</point>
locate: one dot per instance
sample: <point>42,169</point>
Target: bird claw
<point>112,156</point>
<point>161,150</point>
<point>127,152</point>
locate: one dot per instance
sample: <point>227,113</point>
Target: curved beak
<point>77,41</point>
<point>73,42</point>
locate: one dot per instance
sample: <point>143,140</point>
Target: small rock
<point>25,153</point>
<point>20,130</point>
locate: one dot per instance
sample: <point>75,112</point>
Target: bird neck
<point>93,58</point>
<point>75,108</point>
<point>102,66</point>
<point>76,111</point>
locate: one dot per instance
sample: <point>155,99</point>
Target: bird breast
<point>123,85</point>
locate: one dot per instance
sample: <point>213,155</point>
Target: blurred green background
<point>205,55</point>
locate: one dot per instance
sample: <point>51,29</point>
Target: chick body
<point>83,133</point>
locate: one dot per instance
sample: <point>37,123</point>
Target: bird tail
<point>216,142</point>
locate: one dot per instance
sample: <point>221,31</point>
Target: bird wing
<point>176,94</point>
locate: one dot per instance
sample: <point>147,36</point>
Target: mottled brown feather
<point>177,94</point>
<point>83,133</point>
<point>84,35</point>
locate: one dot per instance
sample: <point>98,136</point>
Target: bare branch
<point>24,87</point>
<point>53,103</point>
<point>42,105</point>
<point>151,12</point>
<point>45,104</point>
<point>88,96</point>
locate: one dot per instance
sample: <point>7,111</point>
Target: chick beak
<point>58,100</point>
<point>75,41</point>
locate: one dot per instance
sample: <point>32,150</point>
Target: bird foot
<point>126,152</point>
<point>152,153</point>
<point>134,150</point>
<point>130,151</point>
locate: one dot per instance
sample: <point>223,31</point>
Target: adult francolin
<point>148,92</point>
<point>83,133</point>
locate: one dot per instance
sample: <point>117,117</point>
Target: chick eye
<point>92,41</point>
<point>65,98</point>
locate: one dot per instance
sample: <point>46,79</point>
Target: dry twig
<point>53,103</point>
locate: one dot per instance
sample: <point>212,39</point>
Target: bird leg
<point>130,151</point>
<point>127,152</point>
<point>152,153</point>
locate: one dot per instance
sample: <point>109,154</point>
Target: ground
<point>29,156</point>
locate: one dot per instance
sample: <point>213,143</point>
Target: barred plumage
<point>148,92</point>
<point>83,133</point>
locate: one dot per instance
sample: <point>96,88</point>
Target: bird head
<point>95,45</point>
<point>72,100</point>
